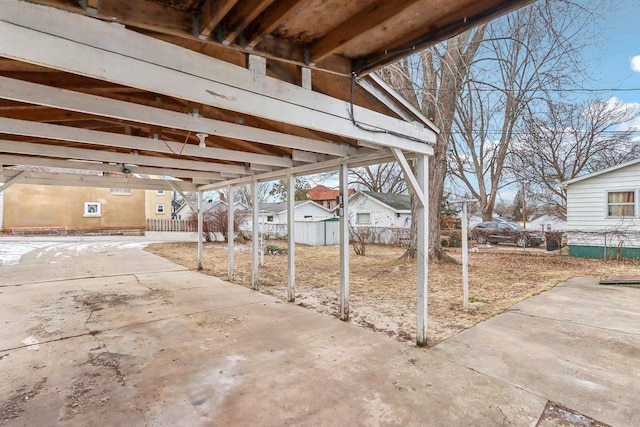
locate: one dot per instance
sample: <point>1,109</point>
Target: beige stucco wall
<point>53,206</point>
<point>152,201</point>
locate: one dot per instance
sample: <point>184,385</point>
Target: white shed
<point>322,232</point>
<point>602,213</point>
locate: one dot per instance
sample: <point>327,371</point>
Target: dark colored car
<point>505,232</point>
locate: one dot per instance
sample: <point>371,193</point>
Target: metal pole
<point>291,233</point>
<point>231,232</point>
<point>255,237</point>
<point>200,230</point>
<point>344,243</point>
<point>465,258</point>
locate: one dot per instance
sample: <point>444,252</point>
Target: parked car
<point>505,232</point>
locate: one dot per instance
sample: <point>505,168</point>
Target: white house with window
<point>603,213</point>
<point>370,209</point>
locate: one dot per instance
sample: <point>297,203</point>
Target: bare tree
<point>569,140</point>
<point>243,194</point>
<point>382,178</point>
<point>525,56</point>
<point>432,80</point>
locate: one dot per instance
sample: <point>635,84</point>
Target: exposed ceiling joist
<point>32,149</point>
<point>74,180</point>
<point>241,16</point>
<point>211,14</point>
<point>110,139</point>
<point>17,90</point>
<point>356,26</point>
<point>109,51</point>
<point>270,20</point>
<point>11,159</point>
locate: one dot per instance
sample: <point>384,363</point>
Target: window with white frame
<point>92,209</point>
<point>621,204</point>
<point>160,192</point>
<point>160,208</point>
<point>363,218</point>
<point>120,191</point>
<point>269,218</point>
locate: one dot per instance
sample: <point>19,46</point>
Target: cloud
<point>635,63</point>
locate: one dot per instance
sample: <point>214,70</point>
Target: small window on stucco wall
<point>160,208</point>
<point>270,218</point>
<point>92,209</point>
<point>621,203</point>
<point>120,191</point>
<point>363,218</point>
<point>160,192</point>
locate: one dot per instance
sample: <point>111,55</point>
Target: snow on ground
<point>12,249</point>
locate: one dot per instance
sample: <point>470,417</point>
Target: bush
<point>451,238</point>
<point>275,250</point>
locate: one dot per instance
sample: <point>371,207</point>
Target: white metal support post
<point>291,233</point>
<point>255,237</point>
<point>200,230</point>
<point>465,258</point>
<point>422,218</point>
<point>344,243</point>
<point>231,232</point>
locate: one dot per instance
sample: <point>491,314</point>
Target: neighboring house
<point>603,213</point>
<point>38,209</point>
<point>209,205</point>
<point>158,204</point>
<point>272,217</point>
<point>370,209</point>
<point>549,222</point>
<point>325,196</point>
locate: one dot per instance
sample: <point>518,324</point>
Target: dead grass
<point>383,287</point>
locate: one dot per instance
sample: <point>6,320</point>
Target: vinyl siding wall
<point>587,220</point>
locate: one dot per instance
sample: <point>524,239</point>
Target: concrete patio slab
<point>577,344</point>
<point>143,342</point>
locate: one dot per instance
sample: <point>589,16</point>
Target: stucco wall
<point>53,206</point>
<point>152,201</point>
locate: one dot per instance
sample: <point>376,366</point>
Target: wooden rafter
<point>241,17</point>
<point>272,17</point>
<point>212,12</point>
<point>356,26</point>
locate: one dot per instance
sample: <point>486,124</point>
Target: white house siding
<point>306,211</point>
<point>587,221</point>
<point>381,214</point>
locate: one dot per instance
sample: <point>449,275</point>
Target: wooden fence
<point>170,225</point>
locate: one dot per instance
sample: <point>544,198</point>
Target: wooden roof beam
<point>211,14</point>
<point>105,107</point>
<point>356,26</point>
<point>418,40</point>
<point>271,19</point>
<point>47,150</point>
<point>241,17</point>
<point>12,159</point>
<point>110,139</point>
<point>77,180</point>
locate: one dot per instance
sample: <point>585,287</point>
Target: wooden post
<point>255,236</point>
<point>200,230</point>
<point>231,232</point>
<point>422,218</point>
<point>344,243</point>
<point>291,233</point>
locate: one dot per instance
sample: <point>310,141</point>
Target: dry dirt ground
<point>383,287</point>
